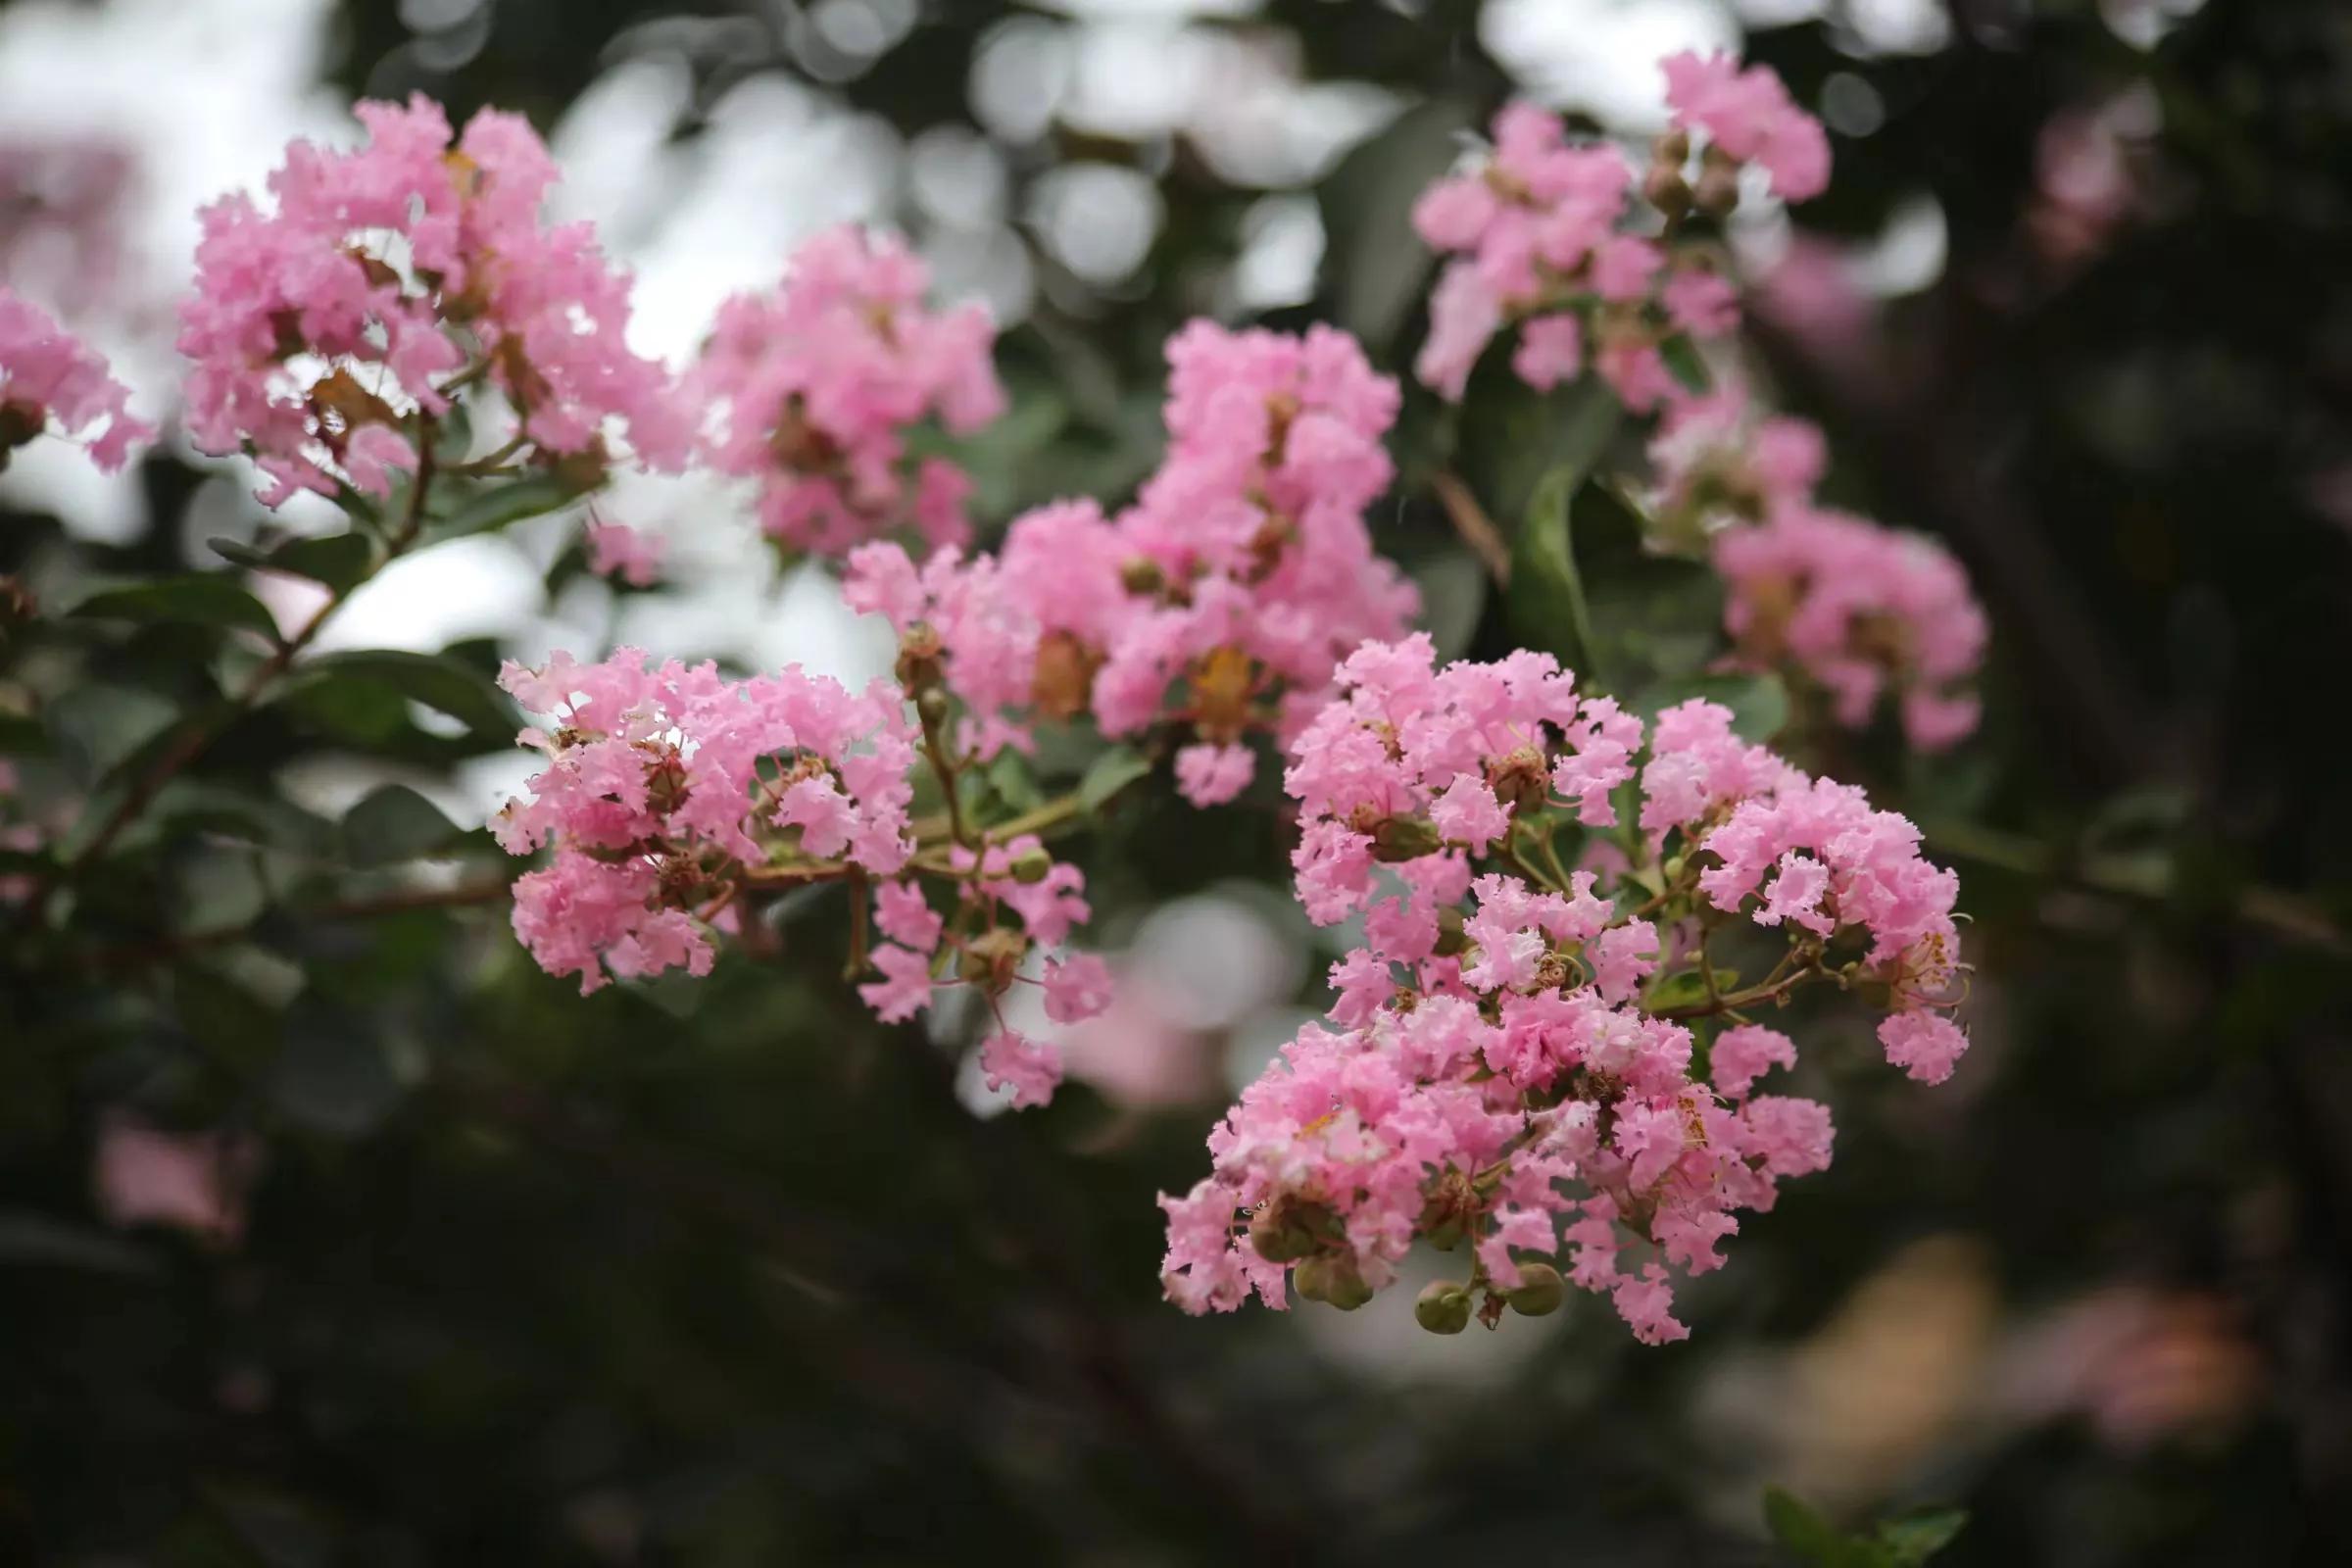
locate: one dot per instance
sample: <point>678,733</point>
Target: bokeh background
<point>723,1272</point>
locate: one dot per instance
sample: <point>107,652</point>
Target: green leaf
<point>21,735</point>
<point>208,599</point>
<point>1111,773</point>
<point>394,823</point>
<point>338,560</point>
<point>1759,703</point>
<point>499,506</point>
<point>438,682</point>
<point>1686,365</point>
<point>1375,267</point>
<point>1513,437</point>
<point>1545,606</point>
<point>1805,1534</point>
<point>1915,1538</point>
<point>95,728</point>
<point>334,1075</point>
<point>1012,782</point>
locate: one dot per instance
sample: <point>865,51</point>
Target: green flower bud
<point>1287,1228</point>
<point>932,706</point>
<point>1030,866</point>
<point>1538,1292</point>
<point>1142,575</point>
<point>1452,944</point>
<point>1332,1278</point>
<point>1405,838</point>
<point>1443,1308</point>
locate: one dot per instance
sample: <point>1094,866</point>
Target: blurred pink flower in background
<point>194,1182</point>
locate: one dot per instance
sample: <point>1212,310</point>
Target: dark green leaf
<point>95,728</point>
<point>337,560</point>
<point>500,505</point>
<point>1686,364</point>
<point>1545,606</point>
<point>394,823</point>
<point>438,682</point>
<point>334,1075</point>
<point>1806,1535</point>
<point>1915,1538</point>
<point>21,735</point>
<point>1111,773</point>
<point>1513,437</point>
<point>1759,703</point>
<point>31,1240</point>
<point>1375,266</point>
<point>211,599</point>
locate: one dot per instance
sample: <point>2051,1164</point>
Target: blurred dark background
<point>725,1273</point>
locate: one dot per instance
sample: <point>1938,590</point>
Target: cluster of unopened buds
<point>1537,1050</point>
<point>1540,1051</point>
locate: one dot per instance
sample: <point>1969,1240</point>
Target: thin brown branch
<point>1470,520</point>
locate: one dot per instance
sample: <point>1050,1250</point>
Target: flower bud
<point>989,960</point>
<point>1405,838</point>
<point>1451,943</point>
<point>931,706</point>
<point>1142,575</point>
<point>1539,1292</point>
<point>1672,147</point>
<point>1332,1278</point>
<point>1522,779</point>
<point>919,655</point>
<point>1443,1308</point>
<point>1665,189</point>
<point>1718,189</point>
<point>1286,1229</point>
<point>1032,866</point>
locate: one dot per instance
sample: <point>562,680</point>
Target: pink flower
<point>1926,1044</point>
<point>1749,116</point>
<point>654,785</point>
<point>1211,775</point>
<point>1077,988</point>
<point>389,274</point>
<point>195,1182</point>
<point>1029,1069</point>
<point>1518,1091</point>
<point>905,988</point>
<point>816,385</point>
<point>1741,1055</point>
<point>48,376</point>
<point>615,550</point>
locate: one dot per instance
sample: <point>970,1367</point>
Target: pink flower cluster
<point>975,945</point>
<point>1854,608</point>
<point>387,276</point>
<point>1512,1060</point>
<point>1749,117</point>
<point>665,782</point>
<point>1217,602</point>
<point>47,374</point>
<point>814,386</point>
<point>1544,235</point>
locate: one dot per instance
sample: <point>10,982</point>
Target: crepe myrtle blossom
<point>664,781</point>
<point>324,328</point>
<point>672,791</point>
<point>1539,1065</point>
<point>51,383</point>
<point>1589,257</point>
<point>1836,602</point>
<point>814,387</point>
<point>1216,607</point>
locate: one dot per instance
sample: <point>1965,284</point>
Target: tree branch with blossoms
<point>1538,1054</point>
